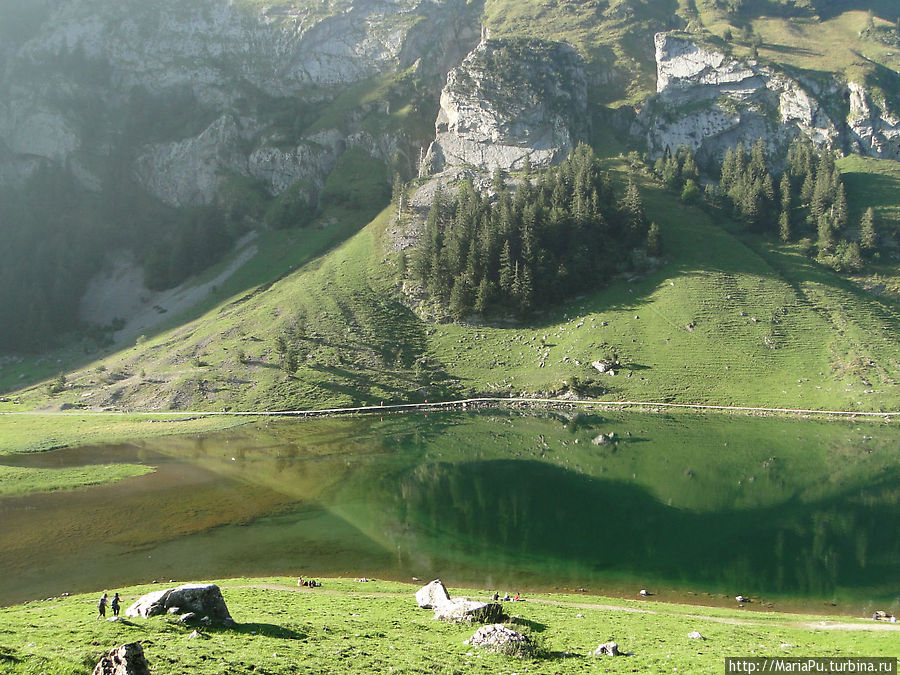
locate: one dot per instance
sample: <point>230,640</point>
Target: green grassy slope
<point>348,626</point>
<point>725,320</point>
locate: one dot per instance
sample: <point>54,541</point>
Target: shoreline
<point>475,403</point>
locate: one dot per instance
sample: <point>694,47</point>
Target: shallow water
<point>795,513</point>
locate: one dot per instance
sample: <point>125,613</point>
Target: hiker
<point>115,604</point>
<point>101,607</point>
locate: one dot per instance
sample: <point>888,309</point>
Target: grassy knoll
<point>37,433</point>
<point>348,626</point>
<point>724,319</point>
<point>17,481</point>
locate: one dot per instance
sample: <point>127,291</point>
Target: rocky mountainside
<point>508,101</point>
<point>709,101</point>
<point>238,88</point>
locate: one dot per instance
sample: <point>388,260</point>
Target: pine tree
<point>633,207</point>
<point>868,235</point>
<point>784,227</point>
<point>689,169</point>
<point>839,208</point>
<point>826,240</point>
<point>784,191</point>
<point>729,170</point>
<point>654,240</point>
<point>506,269</point>
<point>757,166</point>
<point>484,295</point>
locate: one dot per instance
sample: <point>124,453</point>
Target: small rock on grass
<point>607,649</point>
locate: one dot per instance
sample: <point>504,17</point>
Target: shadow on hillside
<point>790,49</point>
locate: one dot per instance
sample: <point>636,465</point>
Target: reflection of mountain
<point>547,519</point>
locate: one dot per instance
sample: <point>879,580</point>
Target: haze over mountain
<point>167,161</point>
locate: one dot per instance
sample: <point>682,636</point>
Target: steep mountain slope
<point>347,94</point>
<point>726,320</point>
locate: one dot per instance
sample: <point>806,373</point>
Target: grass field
<point>347,626</point>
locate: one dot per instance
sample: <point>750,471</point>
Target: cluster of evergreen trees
<point>558,233</point>
<point>809,205</point>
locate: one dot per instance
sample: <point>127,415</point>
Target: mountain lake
<point>796,514</point>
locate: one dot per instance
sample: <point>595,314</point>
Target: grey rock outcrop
<point>474,611</point>
<point>508,101</point>
<point>241,81</point>
<point>203,600</point>
<point>498,638</point>
<point>432,595</point>
<point>874,129</point>
<point>708,101</point>
<point>125,660</point>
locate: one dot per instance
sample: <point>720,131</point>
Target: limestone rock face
<point>204,600</point>
<point>125,660</point>
<point>874,129</point>
<point>708,102</point>
<point>233,85</point>
<point>509,100</point>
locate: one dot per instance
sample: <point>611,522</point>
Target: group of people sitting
<point>309,583</point>
<point>506,598</point>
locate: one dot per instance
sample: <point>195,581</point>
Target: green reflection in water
<point>780,507</point>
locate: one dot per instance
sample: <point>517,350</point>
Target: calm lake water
<point>796,513</point>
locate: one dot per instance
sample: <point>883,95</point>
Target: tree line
<point>808,206</point>
<point>514,251</point>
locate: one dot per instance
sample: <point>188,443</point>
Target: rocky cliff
<point>251,81</point>
<point>508,101</point>
<point>709,101</point>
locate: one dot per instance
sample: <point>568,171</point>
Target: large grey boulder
<point>432,594</point>
<point>498,638</point>
<point>204,600</point>
<point>461,609</point>
<point>125,660</point>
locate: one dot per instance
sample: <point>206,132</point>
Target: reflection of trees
<point>535,512</point>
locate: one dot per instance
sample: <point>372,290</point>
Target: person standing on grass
<point>101,607</point>
<point>115,605</point>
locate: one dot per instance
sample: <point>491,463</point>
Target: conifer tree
<point>506,269</point>
<point>784,191</point>
<point>868,235</point>
<point>839,208</point>
<point>826,240</point>
<point>654,240</point>
<point>633,208</point>
<point>784,227</point>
